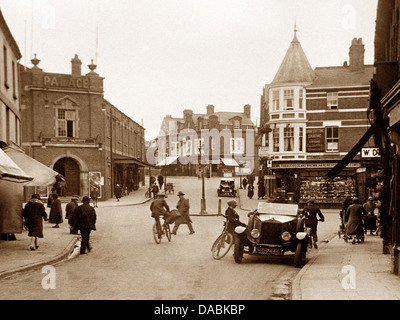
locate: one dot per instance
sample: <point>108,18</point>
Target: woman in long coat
<point>356,213</point>
<point>56,212</point>
<point>34,213</point>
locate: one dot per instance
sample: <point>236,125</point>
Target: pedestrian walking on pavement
<point>85,222</point>
<point>250,191</point>
<point>50,199</point>
<point>356,214</point>
<point>183,208</point>
<point>34,213</point>
<point>70,214</point>
<point>155,189</point>
<point>160,180</point>
<point>118,192</point>
<point>261,189</point>
<point>56,215</point>
<point>312,211</point>
<point>94,195</point>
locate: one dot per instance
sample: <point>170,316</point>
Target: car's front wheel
<point>238,250</point>
<point>299,256</point>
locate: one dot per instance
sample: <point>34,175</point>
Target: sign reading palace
<point>67,82</point>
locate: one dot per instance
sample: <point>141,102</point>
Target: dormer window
<point>236,124</point>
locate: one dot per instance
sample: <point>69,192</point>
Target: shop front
<point>308,180</point>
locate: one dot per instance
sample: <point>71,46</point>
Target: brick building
<point>70,127</point>
<point>311,118</point>
<point>221,143</point>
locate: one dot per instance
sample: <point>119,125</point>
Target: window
<point>14,82</point>
<point>288,135</point>
<point>332,100</point>
<point>275,138</point>
<point>237,145</point>
<point>65,123</point>
<point>236,124</point>
<point>5,67</point>
<point>301,135</point>
<point>301,99</point>
<point>332,139</point>
<point>288,99</point>
<point>275,100</point>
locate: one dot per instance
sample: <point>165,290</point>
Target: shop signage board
<point>316,140</point>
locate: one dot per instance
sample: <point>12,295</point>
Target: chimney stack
<point>76,64</point>
<point>356,55</point>
<point>210,109</point>
<point>247,110</point>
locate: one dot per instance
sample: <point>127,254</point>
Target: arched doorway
<point>70,170</point>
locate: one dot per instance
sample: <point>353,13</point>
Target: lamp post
<point>203,196</point>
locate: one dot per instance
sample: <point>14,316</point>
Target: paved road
<point>125,263</point>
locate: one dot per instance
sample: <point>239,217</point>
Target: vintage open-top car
<point>274,228</point>
<point>227,188</point>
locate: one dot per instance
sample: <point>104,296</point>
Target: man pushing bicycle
<point>159,207</point>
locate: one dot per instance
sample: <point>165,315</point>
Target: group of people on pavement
<point>353,214</point>
<point>80,218</point>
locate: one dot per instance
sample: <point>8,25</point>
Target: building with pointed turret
<point>310,119</point>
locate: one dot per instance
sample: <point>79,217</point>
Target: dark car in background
<point>273,229</point>
<point>227,188</point>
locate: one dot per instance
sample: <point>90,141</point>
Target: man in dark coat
<point>160,180</point>
<point>85,222</point>
<point>313,211</point>
<point>159,207</point>
<point>356,214</point>
<point>183,208</point>
<point>70,214</point>
<point>34,213</point>
<point>56,212</point>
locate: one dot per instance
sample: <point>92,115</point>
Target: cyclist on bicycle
<point>159,207</point>
<point>232,217</point>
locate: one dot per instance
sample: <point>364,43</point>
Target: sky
<point>160,57</point>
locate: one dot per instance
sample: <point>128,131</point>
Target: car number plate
<point>263,250</point>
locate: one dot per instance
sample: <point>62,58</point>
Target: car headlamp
<point>255,233</point>
<point>286,236</point>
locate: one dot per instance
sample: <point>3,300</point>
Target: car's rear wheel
<point>238,250</point>
<point>299,256</point>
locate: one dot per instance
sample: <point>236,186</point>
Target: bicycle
<point>165,230</point>
<point>223,243</point>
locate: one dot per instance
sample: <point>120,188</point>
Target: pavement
<point>336,271</point>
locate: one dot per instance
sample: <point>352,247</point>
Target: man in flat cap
<point>85,222</point>
<point>183,208</point>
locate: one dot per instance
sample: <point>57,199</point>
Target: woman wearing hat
<point>183,208</point>
<point>34,212</point>
<point>312,221</point>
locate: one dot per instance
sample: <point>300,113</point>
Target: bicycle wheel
<point>222,245</point>
<point>167,231</point>
<point>157,239</point>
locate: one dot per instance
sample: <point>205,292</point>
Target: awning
<point>167,161</point>
<point>230,162</point>
<point>10,171</point>
<point>353,152</point>
<point>132,161</point>
<point>42,175</point>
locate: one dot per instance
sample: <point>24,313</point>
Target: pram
<point>371,223</point>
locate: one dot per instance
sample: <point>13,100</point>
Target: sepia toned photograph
<point>201,158</point>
